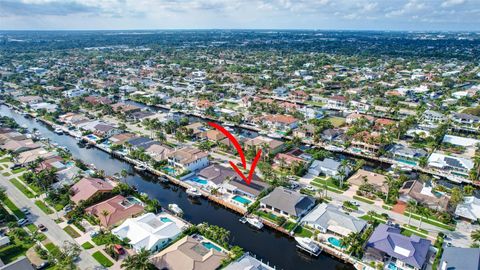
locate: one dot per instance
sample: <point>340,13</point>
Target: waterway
<point>267,244</point>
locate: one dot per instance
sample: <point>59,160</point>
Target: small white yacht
<point>255,222</point>
<point>175,209</point>
<point>274,135</point>
<point>308,245</point>
<point>193,192</point>
<point>140,168</point>
<point>59,131</point>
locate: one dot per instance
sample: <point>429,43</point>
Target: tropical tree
<point>139,261</point>
<point>475,235</point>
<point>412,207</point>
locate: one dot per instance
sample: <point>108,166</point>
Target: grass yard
<point>363,199</point>
<point>43,207</point>
<point>104,261</point>
<point>288,225</point>
<point>10,205</point>
<point>320,182</point>
<point>71,231</point>
<point>431,222</point>
<point>268,216</point>
<point>19,170</point>
<point>105,239</point>
<point>87,245</point>
<point>22,188</point>
<point>31,227</point>
<point>336,121</point>
<point>302,232</point>
<point>14,250</point>
<point>6,174</point>
<point>52,248</point>
<point>5,159</point>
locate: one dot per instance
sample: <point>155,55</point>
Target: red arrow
<point>240,153</point>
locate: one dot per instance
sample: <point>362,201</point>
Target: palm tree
<point>411,207</point>
<point>476,235</point>
<point>105,213</point>
<point>139,261</point>
<point>389,181</point>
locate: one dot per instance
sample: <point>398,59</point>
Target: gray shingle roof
<point>290,202</point>
<point>461,258</point>
<point>329,215</point>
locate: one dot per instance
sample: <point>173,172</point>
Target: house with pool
<point>286,202</point>
<point>149,231</point>
<point>330,219</point>
<point>115,210</point>
<point>190,253</point>
<point>396,251</point>
<point>242,193</point>
<point>212,177</point>
<point>188,159</point>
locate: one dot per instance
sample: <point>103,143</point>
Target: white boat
<point>333,148</point>
<point>175,209</point>
<point>229,124</point>
<point>308,245</point>
<point>274,135</point>
<point>193,192</point>
<point>59,131</point>
<point>140,168</point>
<point>255,222</point>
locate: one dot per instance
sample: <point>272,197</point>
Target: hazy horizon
<point>344,15</point>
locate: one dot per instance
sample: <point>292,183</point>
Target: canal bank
<point>267,244</point>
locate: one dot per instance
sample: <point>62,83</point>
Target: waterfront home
<point>433,117</point>
<point>457,258</point>
<point>423,193</point>
<point>87,188</point>
<point>366,141</point>
<point>469,144</point>
<point>332,134</point>
<point>121,138</point>
<point>237,185</point>
<point>406,154</point>
<point>94,100</point>
<point>287,202</point>
<point>279,122</point>
<point>158,151</point>
<point>139,142</point>
<point>337,103</point>
<point>304,131</point>
<point>389,246</point>
<point>29,99</point>
<point>71,118</point>
<point>188,158</point>
<point>469,209</point>
<point>248,262</point>
<point>268,145</point>
<point>149,231</point>
<point>465,119</point>
<point>105,130</point>
<point>280,91</point>
<point>217,174</point>
<point>19,146</point>
<point>190,253</point>
<point>10,134</point>
<point>55,162</point>
<point>212,135</point>
<point>196,129</point>
<point>45,106</point>
<point>377,181</point>
<point>125,108</point>
<point>115,210</point>
<point>455,165</point>
<point>329,167</point>
<point>75,92</point>
<point>329,218</point>
<point>27,157</point>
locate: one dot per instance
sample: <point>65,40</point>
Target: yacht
<point>193,192</point>
<point>274,135</point>
<point>308,245</point>
<point>333,148</point>
<point>175,209</point>
<point>255,222</point>
<point>140,168</point>
<point>59,131</point>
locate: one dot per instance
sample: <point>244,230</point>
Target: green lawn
<point>87,245</point>
<point>6,159</point>
<point>71,231</point>
<point>431,222</point>
<point>19,170</point>
<point>9,204</point>
<point>106,238</point>
<point>336,121</point>
<point>56,206</point>
<point>6,174</point>
<point>22,188</point>
<point>320,182</point>
<point>288,225</point>
<point>43,207</point>
<point>15,249</point>
<point>52,248</point>
<point>104,261</point>
<point>31,227</point>
<point>363,199</point>
<point>302,232</point>
<point>268,216</point>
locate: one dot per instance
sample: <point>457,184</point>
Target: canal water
<point>267,244</point>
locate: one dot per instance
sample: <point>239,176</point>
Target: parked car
<point>43,265</point>
<point>67,208</point>
<point>25,210</point>
<point>22,222</point>
<point>119,249</point>
<point>355,203</point>
<point>42,227</point>
<point>16,166</point>
<point>310,188</point>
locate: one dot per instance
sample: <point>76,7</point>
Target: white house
<point>328,167</point>
<point>151,232</point>
<point>188,158</point>
<point>76,92</point>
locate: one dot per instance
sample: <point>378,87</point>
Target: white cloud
<point>451,3</point>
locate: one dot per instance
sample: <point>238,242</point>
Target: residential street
<point>37,216</point>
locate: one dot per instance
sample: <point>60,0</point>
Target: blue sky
<point>458,15</point>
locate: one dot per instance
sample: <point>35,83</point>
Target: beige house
<point>189,253</point>
<point>378,181</point>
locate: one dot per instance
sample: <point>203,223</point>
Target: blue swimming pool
<point>335,242</point>
<point>408,162</point>
<point>241,200</point>
<point>210,246</point>
<point>169,170</point>
<point>165,219</point>
<point>392,266</point>
<point>92,137</point>
<point>199,180</point>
